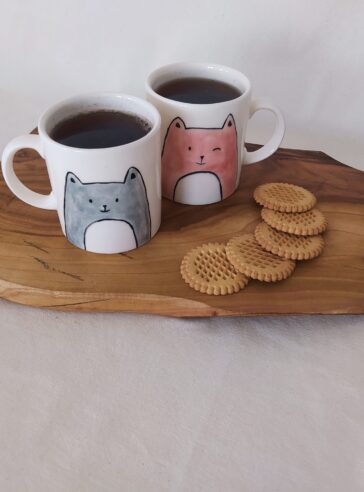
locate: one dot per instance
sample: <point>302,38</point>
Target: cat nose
<point>202,156</point>
<point>105,207</point>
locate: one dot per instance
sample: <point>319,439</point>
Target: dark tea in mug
<point>198,90</point>
<point>100,129</point>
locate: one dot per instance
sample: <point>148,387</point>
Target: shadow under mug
<point>214,131</point>
<point>108,199</point>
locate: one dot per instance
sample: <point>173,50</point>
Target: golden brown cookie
<point>284,197</point>
<point>307,223</point>
<point>207,269</point>
<point>288,245</point>
<point>249,257</point>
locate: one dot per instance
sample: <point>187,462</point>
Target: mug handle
<point>274,142</point>
<point>48,202</point>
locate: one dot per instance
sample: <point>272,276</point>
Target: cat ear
<point>73,179</point>
<point>229,122</point>
<point>178,123</point>
<point>131,174</point>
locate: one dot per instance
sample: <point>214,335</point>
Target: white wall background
<point>306,55</point>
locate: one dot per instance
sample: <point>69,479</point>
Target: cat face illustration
<point>97,200</point>
<point>88,203</point>
<point>189,151</point>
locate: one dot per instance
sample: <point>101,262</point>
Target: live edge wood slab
<point>38,266</point>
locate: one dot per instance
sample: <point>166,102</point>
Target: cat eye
<point>216,148</point>
<point>90,200</point>
<point>116,199</point>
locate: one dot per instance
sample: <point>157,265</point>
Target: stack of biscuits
<point>290,230</point>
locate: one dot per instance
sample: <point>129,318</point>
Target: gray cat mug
<point>108,199</point>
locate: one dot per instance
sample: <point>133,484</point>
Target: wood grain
<point>39,267</point>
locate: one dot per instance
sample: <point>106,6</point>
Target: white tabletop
<point>93,401</point>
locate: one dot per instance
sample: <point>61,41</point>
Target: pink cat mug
<point>203,143</point>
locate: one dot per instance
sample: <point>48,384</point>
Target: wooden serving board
<point>39,267</point>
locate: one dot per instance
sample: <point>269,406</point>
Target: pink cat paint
<point>199,158</point>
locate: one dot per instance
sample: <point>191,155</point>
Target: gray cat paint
<point>87,203</point>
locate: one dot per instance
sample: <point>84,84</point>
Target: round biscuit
<point>284,197</point>
<point>249,258</point>
<point>288,245</point>
<point>307,223</point>
<point>207,269</point>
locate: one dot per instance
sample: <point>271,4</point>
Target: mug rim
<point>170,67</point>
<point>88,96</point>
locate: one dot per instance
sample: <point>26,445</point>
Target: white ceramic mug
<point>108,199</point>
<point>203,144</point>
